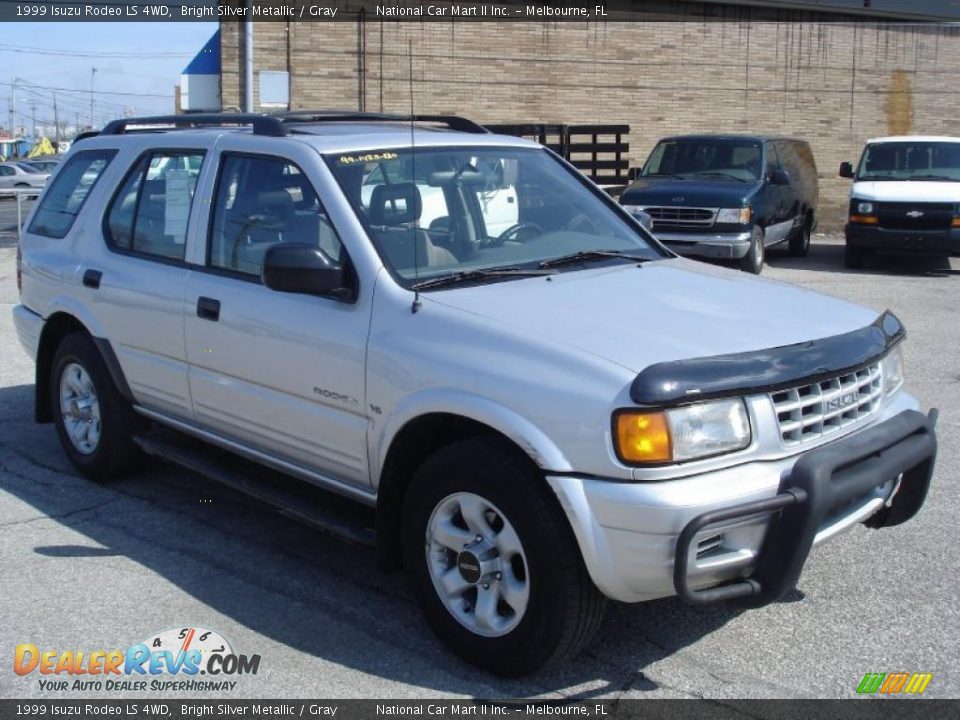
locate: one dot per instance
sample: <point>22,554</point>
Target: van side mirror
<point>632,174</point>
<point>846,170</point>
<point>303,268</point>
<point>779,177</point>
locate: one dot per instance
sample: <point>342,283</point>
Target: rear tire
<point>540,605</point>
<point>95,424</point>
<point>854,257</point>
<point>800,243</point>
<point>752,262</point>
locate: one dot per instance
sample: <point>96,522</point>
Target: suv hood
<point>688,193</point>
<point>907,191</point>
<point>666,310</point>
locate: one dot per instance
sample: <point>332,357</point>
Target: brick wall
<point>834,83</point>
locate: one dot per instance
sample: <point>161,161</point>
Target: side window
<point>773,162</point>
<point>6,171</point>
<point>68,191</point>
<point>150,212</point>
<point>261,202</point>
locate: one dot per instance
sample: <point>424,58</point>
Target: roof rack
<point>454,122</point>
<point>261,124</point>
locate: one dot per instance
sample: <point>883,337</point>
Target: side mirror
<point>632,174</point>
<point>846,170</point>
<point>779,177</point>
<point>302,268</point>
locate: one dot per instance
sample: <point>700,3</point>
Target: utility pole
<point>13,112</point>
<point>56,119</point>
<point>93,74</point>
<point>33,113</point>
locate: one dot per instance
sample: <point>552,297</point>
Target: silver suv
<point>535,404</point>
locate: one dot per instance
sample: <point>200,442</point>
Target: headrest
<point>275,202</point>
<point>385,210</point>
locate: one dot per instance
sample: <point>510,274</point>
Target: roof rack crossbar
<point>454,122</point>
<point>261,124</point>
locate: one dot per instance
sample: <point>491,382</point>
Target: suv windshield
<point>449,210</point>
<point>722,160</point>
<point>911,161</point>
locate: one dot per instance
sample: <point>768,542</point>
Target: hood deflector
<point>685,381</point>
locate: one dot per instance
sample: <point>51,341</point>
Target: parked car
<point>47,166</point>
<point>20,175</point>
<point>728,196</point>
<point>535,420</point>
<point>905,198</point>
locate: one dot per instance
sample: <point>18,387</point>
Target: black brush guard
<point>821,481</point>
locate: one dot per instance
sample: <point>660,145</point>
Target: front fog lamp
<point>684,433</point>
<point>893,370</point>
<point>738,216</point>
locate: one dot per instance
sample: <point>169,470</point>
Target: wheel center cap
<point>469,566</point>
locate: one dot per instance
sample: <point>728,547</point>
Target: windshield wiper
<point>587,255</point>
<point>931,177</point>
<point>468,276</point>
<point>721,174</point>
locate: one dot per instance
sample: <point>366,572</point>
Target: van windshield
<point>453,210</point>
<point>721,160</point>
<point>919,160</point>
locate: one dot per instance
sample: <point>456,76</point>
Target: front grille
<point>914,216</point>
<point>674,216</point>
<point>809,412</point>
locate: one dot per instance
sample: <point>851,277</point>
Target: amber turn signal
<point>643,437</point>
<point>865,219</point>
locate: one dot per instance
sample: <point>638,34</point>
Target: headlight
<point>734,215</point>
<point>893,370</point>
<point>865,208</point>
<point>684,433</point>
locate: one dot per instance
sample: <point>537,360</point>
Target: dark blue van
<point>728,196</point>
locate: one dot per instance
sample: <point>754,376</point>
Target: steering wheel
<point>516,233</point>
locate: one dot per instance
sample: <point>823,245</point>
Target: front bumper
<point>720,524</point>
<point>903,242</point>
<point>711,245</point>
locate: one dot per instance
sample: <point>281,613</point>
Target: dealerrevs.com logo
<point>171,660</point>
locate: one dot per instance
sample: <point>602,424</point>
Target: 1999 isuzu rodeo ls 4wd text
<point>536,418</point>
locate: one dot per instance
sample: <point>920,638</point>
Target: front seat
<point>394,212</point>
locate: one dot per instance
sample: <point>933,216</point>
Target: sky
<point>143,60</point>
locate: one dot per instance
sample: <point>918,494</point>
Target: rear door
<point>790,195</point>
<point>140,263</point>
<point>278,372</point>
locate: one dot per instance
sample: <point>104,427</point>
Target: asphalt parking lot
<point>90,567</point>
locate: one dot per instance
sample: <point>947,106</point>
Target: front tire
<point>854,257</point>
<point>95,424</point>
<point>752,262</point>
<point>493,562</point>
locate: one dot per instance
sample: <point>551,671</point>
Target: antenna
<point>413,174</point>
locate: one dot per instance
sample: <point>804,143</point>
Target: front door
<point>282,373</point>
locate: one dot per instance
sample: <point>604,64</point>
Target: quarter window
<point>68,191</point>
<point>149,215</point>
<point>261,202</point>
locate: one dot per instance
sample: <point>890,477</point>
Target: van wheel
<point>800,243</point>
<point>854,257</point>
<point>493,562</point>
<point>95,424</point>
<point>752,262</point>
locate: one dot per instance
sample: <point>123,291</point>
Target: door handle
<point>208,308</point>
<point>91,278</point>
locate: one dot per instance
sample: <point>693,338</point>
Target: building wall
<point>831,82</point>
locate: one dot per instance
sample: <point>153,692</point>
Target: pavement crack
<point>59,516</point>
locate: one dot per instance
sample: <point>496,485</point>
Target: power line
<point>118,54</point>
<point>104,92</point>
